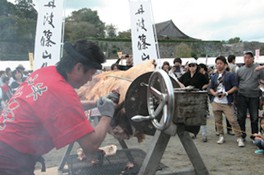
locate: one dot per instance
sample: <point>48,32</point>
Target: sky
<point>202,19</point>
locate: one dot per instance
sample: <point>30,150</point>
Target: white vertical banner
<point>49,33</point>
<point>257,54</point>
<point>143,39</point>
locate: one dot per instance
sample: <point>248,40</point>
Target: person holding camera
<point>176,70</point>
<point>223,85</point>
<point>46,112</point>
<point>129,63</point>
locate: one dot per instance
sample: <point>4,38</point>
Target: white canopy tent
<point>210,61</point>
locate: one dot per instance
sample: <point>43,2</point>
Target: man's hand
<point>259,68</point>
<point>114,96</point>
<point>257,136</point>
<point>173,68</point>
<point>106,106</point>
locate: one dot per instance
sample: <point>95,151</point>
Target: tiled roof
<point>169,30</point>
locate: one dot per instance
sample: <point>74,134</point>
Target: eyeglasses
<point>192,65</point>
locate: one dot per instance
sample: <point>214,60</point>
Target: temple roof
<point>168,30</point>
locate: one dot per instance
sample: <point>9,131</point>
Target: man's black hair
<point>14,74</point>
<point>177,60</point>
<point>230,58</point>
<point>5,79</point>
<point>201,65</point>
<point>222,58</point>
<point>7,70</point>
<point>83,51</point>
<point>113,66</point>
<point>249,53</point>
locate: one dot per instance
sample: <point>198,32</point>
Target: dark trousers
<point>252,105</point>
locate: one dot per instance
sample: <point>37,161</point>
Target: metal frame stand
<point>158,146</point>
<point>61,168</point>
<point>155,153</point>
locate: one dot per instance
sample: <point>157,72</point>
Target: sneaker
<point>259,151</point>
<point>240,142</point>
<point>221,139</point>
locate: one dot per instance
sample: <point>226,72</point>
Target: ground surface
<point>225,159</point>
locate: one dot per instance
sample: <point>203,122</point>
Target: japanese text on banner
<point>49,33</point>
<point>143,39</point>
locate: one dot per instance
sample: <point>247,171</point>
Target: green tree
<point>25,9</point>
<point>8,28</point>
<point>3,8</point>
<point>17,22</point>
<point>6,8</point>
<point>125,34</point>
<point>76,30</point>
<point>110,31</point>
<point>234,40</point>
<point>26,29</point>
<point>82,24</point>
<point>15,28</point>
<point>183,50</point>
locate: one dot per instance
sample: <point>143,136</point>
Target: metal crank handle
<point>141,118</point>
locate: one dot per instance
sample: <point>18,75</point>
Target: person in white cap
<point>193,77</point>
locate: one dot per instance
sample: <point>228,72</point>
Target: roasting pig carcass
<point>104,83</point>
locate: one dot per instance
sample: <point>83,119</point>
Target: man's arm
<point>260,67</point>
<point>118,60</point>
<point>91,142</point>
<point>88,104</point>
<point>206,82</point>
<point>212,92</point>
<point>232,90</point>
<point>212,86</point>
<point>234,84</point>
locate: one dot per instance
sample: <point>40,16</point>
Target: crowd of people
<point>117,66</point>
<point>234,93</point>
<point>10,80</point>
